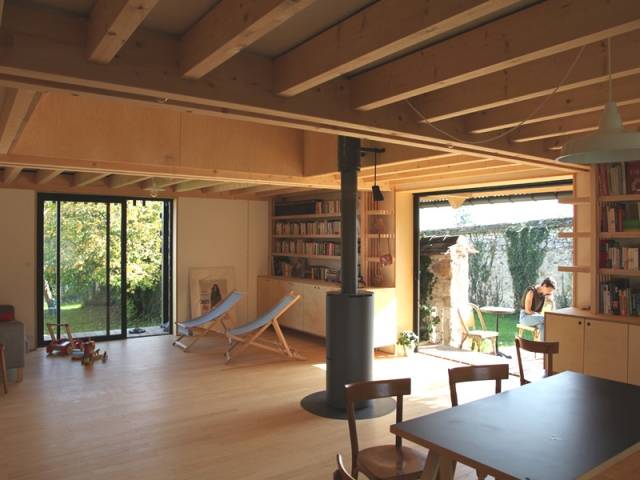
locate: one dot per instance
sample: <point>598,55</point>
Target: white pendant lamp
<point>610,144</point>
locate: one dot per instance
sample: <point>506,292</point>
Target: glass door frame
<point>167,259</point>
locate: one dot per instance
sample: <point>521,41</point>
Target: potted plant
<point>408,340</point>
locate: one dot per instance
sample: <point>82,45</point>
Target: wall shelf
<point>308,216</point>
<point>335,237</point>
<point>619,272</point>
<point>574,234</point>
<point>620,198</point>
<point>574,268</point>
<point>574,200</point>
<point>612,235</point>
<point>300,255</point>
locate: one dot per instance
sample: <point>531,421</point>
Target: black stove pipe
<point>349,323</point>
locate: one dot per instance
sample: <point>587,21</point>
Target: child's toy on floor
<point>88,353</point>
<point>59,344</point>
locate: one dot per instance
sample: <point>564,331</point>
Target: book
<point>633,177</point>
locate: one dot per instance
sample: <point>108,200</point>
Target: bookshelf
<point>616,211</point>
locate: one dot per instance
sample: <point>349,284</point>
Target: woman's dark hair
<point>548,282</point>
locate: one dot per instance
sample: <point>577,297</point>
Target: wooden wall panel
<point>236,145</point>
<point>90,128</point>
<point>582,220</point>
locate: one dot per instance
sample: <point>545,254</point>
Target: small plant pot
<point>408,351</point>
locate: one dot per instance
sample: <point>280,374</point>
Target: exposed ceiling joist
<point>228,28</point>
<point>565,104</point>
<point>387,171</point>
<point>226,187</point>
<point>111,23</point>
<point>380,30</point>
<point>17,107</point>
<point>10,174</point>
<point>45,176</point>
<point>191,185</point>
<point>256,189</point>
<point>526,82</point>
<point>82,179</point>
<point>160,183</point>
<point>560,25</point>
<point>243,89</point>
<point>511,178</point>
<point>283,191</point>
<point>455,170</point>
<point>630,115</point>
<point>120,181</point>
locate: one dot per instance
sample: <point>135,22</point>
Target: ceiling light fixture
<point>611,143</point>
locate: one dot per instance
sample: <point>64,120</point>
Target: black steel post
<point>349,165</point>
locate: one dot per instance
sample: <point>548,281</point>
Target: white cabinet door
<point>384,317</point>
<point>569,332</point>
<point>634,354</point>
<point>606,349</point>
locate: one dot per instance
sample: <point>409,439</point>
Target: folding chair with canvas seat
<point>466,315</point>
<point>202,325</point>
<point>248,334</point>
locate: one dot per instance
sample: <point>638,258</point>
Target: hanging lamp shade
<point>609,144</point>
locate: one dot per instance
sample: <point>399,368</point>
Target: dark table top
<point>556,428</point>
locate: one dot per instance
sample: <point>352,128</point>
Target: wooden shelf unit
<point>376,234</point>
<point>620,240</point>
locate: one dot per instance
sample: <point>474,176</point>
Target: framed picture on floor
<point>208,286</point>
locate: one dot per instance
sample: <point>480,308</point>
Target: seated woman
<point>532,303</point>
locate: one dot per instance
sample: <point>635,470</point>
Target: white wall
<point>18,256</point>
<point>222,233</point>
<point>209,233</point>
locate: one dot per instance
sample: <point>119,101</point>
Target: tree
<point>526,248</point>
<point>426,311</point>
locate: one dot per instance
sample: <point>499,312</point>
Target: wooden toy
<point>59,344</point>
<point>91,353</point>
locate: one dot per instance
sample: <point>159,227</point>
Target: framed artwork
<point>208,286</point>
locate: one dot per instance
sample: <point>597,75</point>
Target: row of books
<point>303,247</point>
<point>325,227</point>
<point>302,270</point>
<point>620,217</point>
<point>614,255</point>
<point>327,206</point>
<point>618,298</point>
<point>619,178</point>
<point>325,274</point>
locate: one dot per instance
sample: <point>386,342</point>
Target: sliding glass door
<point>104,266</point>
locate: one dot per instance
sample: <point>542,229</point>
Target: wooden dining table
<point>563,427</point>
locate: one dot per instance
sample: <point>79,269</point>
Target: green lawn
<point>507,330</point>
<point>91,318</point>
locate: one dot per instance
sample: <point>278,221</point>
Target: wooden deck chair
<point>201,326</point>
<point>246,335</point>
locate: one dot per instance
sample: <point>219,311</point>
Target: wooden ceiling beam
<point>466,169</point>
<point>17,107</point>
<point>565,104</point>
<point>282,191</point>
<point>225,187</point>
<point>525,82</point>
<point>243,89</point>
<point>561,25</point>
<point>82,179</point>
<point>45,176</point>
<point>419,165</point>
<point>378,31</point>
<point>485,181</point>
<point>630,115</point>
<point>160,183</point>
<point>10,174</point>
<point>111,23</point>
<point>120,181</point>
<point>228,28</point>
<point>190,185</point>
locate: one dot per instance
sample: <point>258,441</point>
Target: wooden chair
<point>3,369</point>
<point>384,461</point>
<point>534,330</point>
<point>341,473</point>
<point>468,323</point>
<point>547,348</point>
<point>474,373</point>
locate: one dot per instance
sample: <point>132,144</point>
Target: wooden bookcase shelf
<point>296,231</point>
<point>620,198</point>
<point>618,272</point>
<point>615,235</point>
<point>574,234</point>
<point>574,200</point>
<point>574,268</point>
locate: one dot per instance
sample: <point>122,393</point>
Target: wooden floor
<point>155,412</point>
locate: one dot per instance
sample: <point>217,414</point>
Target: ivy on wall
<point>486,288</point>
<point>428,318</point>
<point>526,249</point>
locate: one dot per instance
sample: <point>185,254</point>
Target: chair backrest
<point>341,473</point>
<point>474,373</point>
<point>547,348</point>
<point>370,390</point>
<point>467,315</point>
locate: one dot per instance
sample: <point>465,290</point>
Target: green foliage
<point>426,312</point>
<point>83,255</point>
<point>486,288</point>
<point>407,339</point>
<point>526,248</point>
